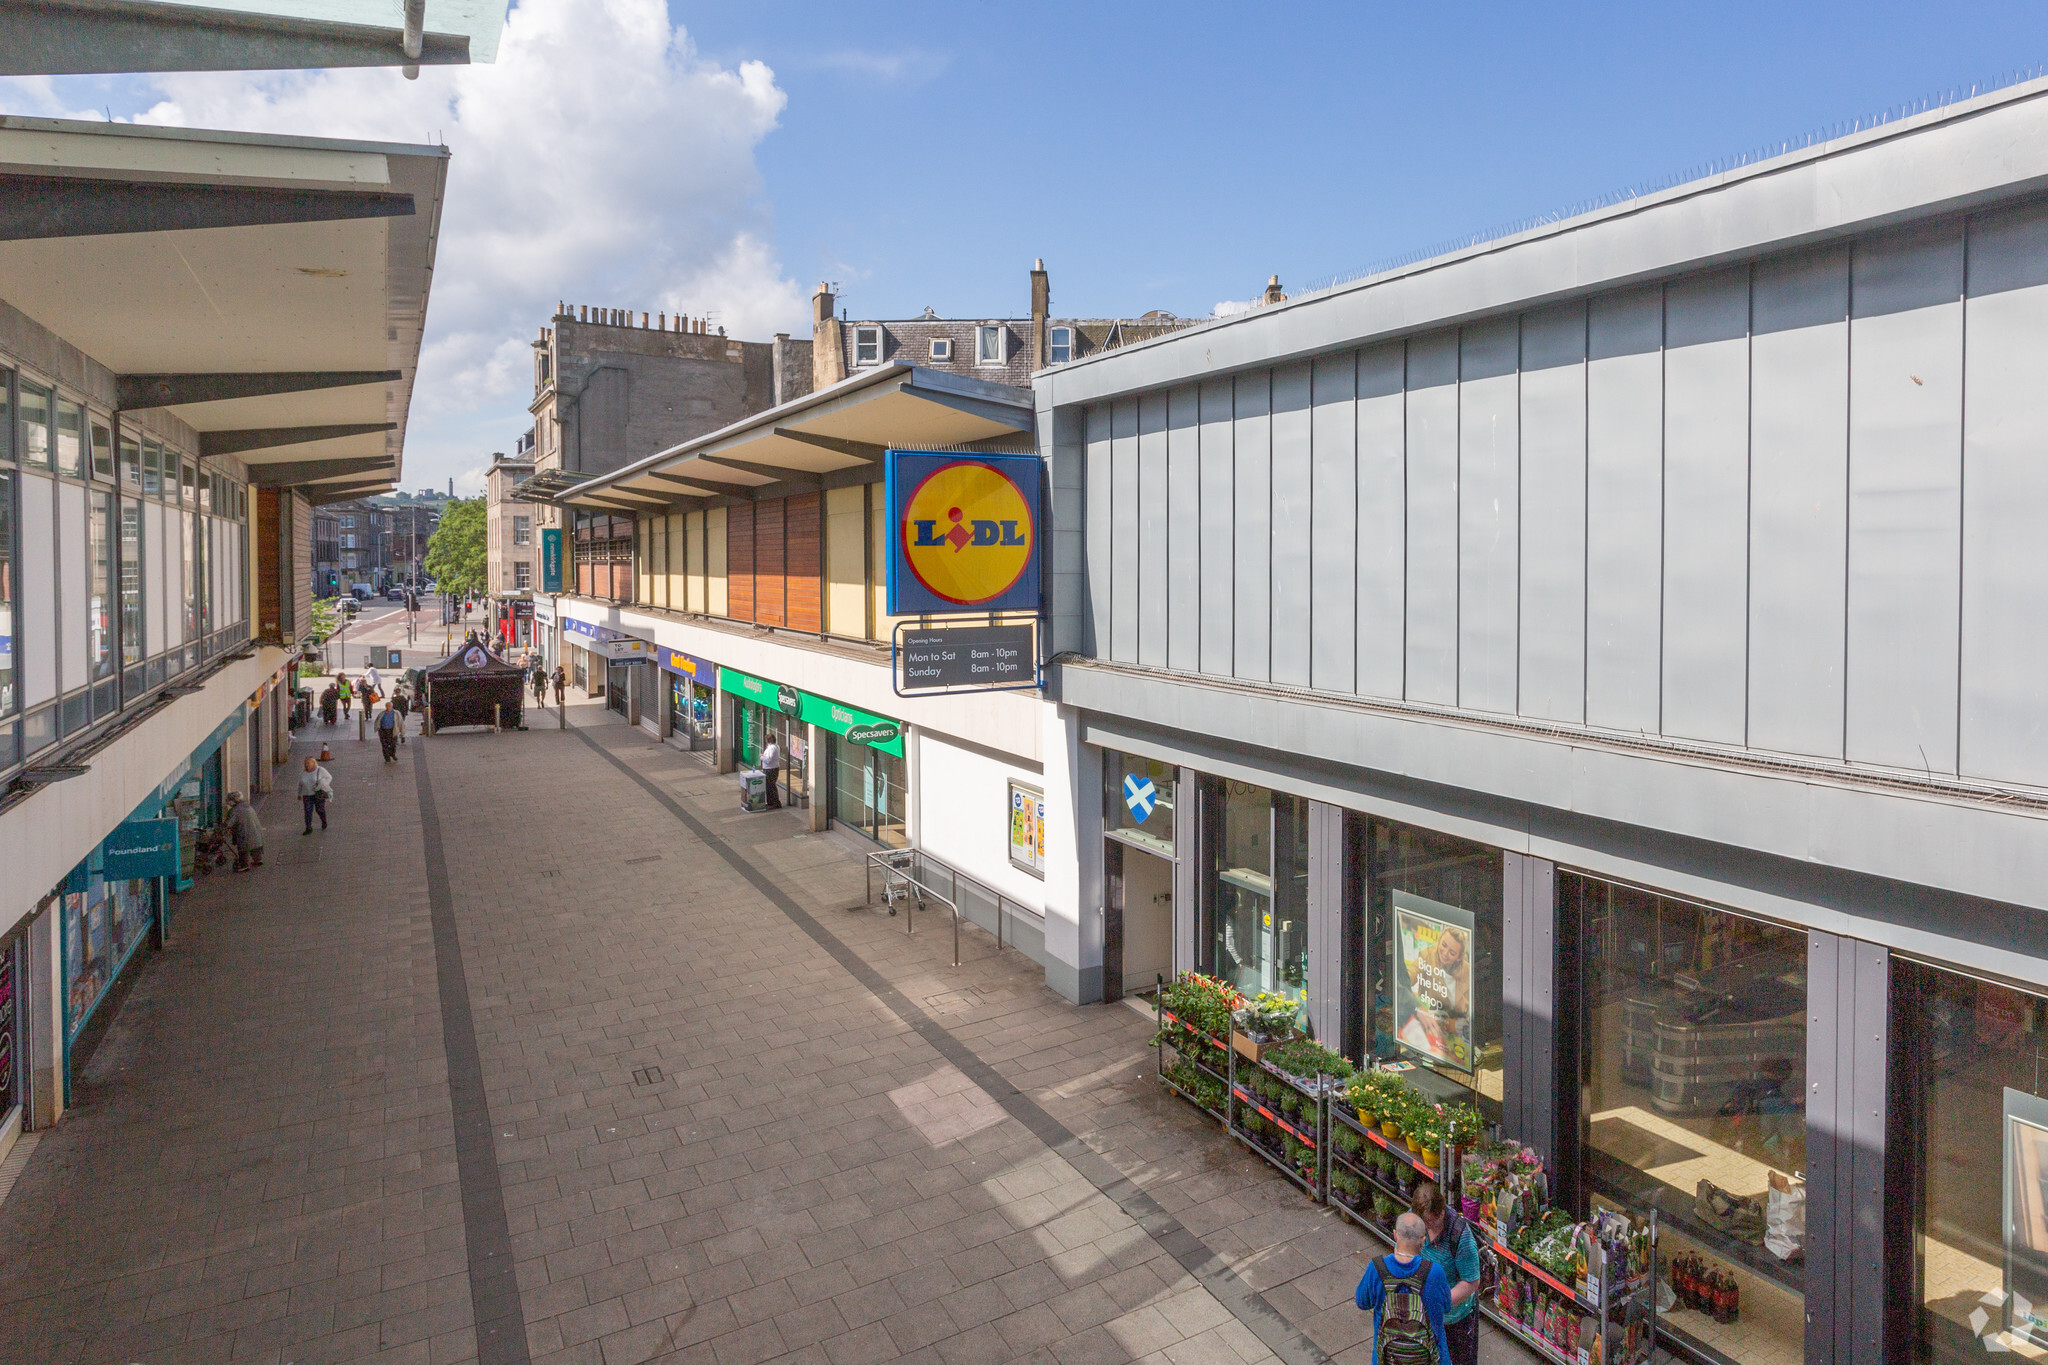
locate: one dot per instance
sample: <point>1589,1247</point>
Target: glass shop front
<point>1674,1059</point>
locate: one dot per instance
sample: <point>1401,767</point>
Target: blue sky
<point>724,157</point>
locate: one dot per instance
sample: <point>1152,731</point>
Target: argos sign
<point>963,532</point>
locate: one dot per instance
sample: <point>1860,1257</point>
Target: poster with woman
<point>1433,979</point>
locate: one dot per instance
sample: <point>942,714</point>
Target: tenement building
<point>1630,629</point>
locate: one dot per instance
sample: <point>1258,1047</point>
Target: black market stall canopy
<point>472,686</point>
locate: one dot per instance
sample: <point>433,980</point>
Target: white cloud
<point>601,160</point>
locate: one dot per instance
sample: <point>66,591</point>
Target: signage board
<point>969,656</point>
<point>551,559</point>
<point>1432,971</point>
<point>689,665</point>
<point>141,848</point>
<point>963,532</point>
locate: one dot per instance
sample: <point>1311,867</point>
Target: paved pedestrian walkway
<point>547,1053</point>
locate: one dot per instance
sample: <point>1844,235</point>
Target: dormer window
<point>867,345</point>
<point>1061,345</point>
<point>990,344</point>
<point>942,348</point>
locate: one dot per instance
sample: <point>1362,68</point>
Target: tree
<point>455,554</point>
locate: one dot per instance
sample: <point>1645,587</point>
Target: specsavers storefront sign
<point>856,725</point>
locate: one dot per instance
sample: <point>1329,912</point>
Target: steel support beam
<point>40,206</point>
<point>1003,414</point>
<point>773,473</point>
<point>838,445</point>
<point>105,37</point>
<point>270,438</point>
<point>134,391</point>
<point>681,483</point>
<point>299,473</point>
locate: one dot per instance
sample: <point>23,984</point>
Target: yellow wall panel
<point>714,560</point>
<point>846,607</point>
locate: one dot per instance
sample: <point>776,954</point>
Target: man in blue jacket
<point>1407,1295</point>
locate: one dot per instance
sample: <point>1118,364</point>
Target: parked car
<point>362,592</point>
<point>395,593</point>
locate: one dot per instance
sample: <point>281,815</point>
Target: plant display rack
<point>1316,1141</point>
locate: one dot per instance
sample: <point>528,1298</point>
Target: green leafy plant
<point>1269,1014</point>
<point>1308,1059</point>
<point>1462,1125</point>
<point>1202,1005</point>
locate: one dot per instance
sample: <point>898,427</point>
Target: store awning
<point>844,427</point>
<point>268,291</point>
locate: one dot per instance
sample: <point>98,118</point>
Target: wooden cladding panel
<point>770,563</point>
<point>739,553</point>
<point>805,560</point>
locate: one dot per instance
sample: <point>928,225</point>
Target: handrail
<point>895,864</point>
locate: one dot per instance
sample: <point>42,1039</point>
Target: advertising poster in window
<point>2026,1217</point>
<point>1432,975</point>
<point>1027,828</point>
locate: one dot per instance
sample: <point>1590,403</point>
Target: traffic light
<point>333,582</point>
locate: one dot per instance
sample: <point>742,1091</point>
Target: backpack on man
<point>1405,1336</point>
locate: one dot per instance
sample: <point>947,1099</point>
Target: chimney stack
<point>1041,308</point>
<point>1273,294</point>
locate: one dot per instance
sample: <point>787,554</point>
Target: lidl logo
<point>967,533</point>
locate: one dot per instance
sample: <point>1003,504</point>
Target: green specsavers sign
<point>858,726</point>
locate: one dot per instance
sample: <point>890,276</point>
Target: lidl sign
<point>963,532</point>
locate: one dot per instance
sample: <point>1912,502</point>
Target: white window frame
<point>522,530</point>
<point>521,570</point>
<point>942,349</point>
<point>1001,335</point>
<point>1059,339</point>
<point>869,334</point>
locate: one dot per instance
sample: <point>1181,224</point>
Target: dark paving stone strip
<point>1244,1302</point>
<point>493,1284</point>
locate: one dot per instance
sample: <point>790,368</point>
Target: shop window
<point>1693,1100</point>
<point>867,791</point>
<point>1137,801</point>
<point>35,426</point>
<point>131,465</point>
<point>1971,1085</point>
<point>102,451</point>
<point>152,468</point>
<point>1257,888</point>
<point>70,437</point>
<point>1431,959</point>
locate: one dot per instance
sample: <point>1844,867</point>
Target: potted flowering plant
<point>1268,1017</point>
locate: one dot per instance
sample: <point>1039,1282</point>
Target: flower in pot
<point>1269,1016</point>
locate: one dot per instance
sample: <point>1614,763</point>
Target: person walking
<point>330,704</point>
<point>1452,1245</point>
<point>373,684</point>
<point>247,832</point>
<point>771,768</point>
<point>348,696</point>
<point>540,684</point>
<point>1407,1295</point>
<point>404,705</point>
<point>561,683</point>
<point>387,732</point>
<point>316,784</point>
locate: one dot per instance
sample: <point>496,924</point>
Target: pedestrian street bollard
<point>497,716</point>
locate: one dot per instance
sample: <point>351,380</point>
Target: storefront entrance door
<point>1147,913</point>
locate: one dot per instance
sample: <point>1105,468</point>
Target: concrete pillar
<point>819,767</point>
<point>1073,859</point>
<point>725,712</point>
<point>46,1017</point>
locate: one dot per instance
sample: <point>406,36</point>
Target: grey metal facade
<point>1791,507</point>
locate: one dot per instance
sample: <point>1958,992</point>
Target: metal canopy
<point>312,471</point>
<point>106,37</point>
<point>844,427</point>
<point>270,292</point>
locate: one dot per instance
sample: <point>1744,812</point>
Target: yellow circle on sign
<point>967,533</point>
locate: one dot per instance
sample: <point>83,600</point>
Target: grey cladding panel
<point>1489,515</point>
<point>1219,507</point>
<point>1905,498</point>
<point>1184,520</point>
<point>1706,507</point>
<point>1252,442</point>
<point>1124,531</point>
<point>1382,520</point>
<point>1155,536</point>
<point>1101,513</point>
<point>1624,509</point>
<point>1799,478</point>
<point>1553,578</point>
<point>1293,619</point>
<point>1432,616</point>
<point>1334,509</point>
<point>2005,501</point>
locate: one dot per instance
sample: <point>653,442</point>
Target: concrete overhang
<point>294,339</point>
<point>1992,148</point>
<point>843,427</point>
<point>94,37</point>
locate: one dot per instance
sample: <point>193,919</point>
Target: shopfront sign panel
<point>852,723</point>
<point>1432,972</point>
<point>551,559</point>
<point>963,531</point>
<point>689,665</point>
<point>969,656</point>
<point>141,848</point>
